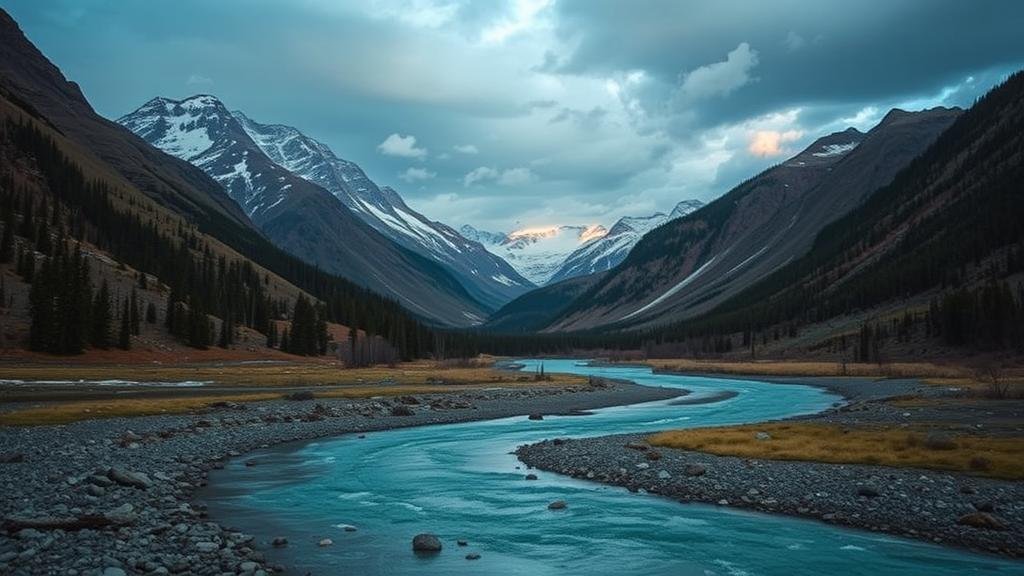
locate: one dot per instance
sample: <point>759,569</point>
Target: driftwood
<point>89,521</point>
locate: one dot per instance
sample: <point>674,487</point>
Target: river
<point>460,481</point>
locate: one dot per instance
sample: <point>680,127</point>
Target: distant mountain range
<point>552,254</point>
<point>326,210</point>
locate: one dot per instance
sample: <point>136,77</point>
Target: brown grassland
<point>913,448</point>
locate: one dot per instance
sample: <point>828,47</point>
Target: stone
<point>462,543</point>
<point>248,566</point>
<point>558,505</point>
<point>982,520</point>
<point>114,571</point>
<point>472,556</point>
<point>695,470</point>
<point>279,542</point>
<point>126,478</point>
<point>536,417</point>
<point>402,410</point>
<point>207,547</point>
<point>664,475</point>
<point>637,446</point>
<point>11,457</point>
<point>986,506</point>
<point>763,436</point>
<point>426,543</point>
<point>531,476</point>
<point>867,491</point>
<point>325,542</point>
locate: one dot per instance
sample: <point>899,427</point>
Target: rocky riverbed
<point>953,509</point>
<point>112,497</point>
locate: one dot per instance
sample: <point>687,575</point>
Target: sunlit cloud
<point>401,146</point>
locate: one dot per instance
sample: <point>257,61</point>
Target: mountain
<point>606,252</point>
<point>535,309</point>
<point>694,263</point>
<point>934,258</point>
<point>536,253</point>
<point>296,214</point>
<point>136,210</point>
<point>485,276</point>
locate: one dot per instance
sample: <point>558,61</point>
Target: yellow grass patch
<point>284,374</point>
<point>786,368</point>
<point>902,448</point>
<point>65,412</point>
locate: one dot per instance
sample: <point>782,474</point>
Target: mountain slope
<point>487,277</point>
<point>535,309</point>
<point>147,210</point>
<point>296,214</point>
<point>605,253</point>
<point>694,263</point>
<point>948,229</point>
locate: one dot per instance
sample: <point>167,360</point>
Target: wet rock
<point>462,543</point>
<point>279,542</point>
<point>536,417</point>
<point>426,543</point>
<point>558,505</point>
<point>325,542</point>
<point>472,556</point>
<point>531,476</point>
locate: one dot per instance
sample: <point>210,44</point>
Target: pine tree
<point>272,335</point>
<point>101,316</point>
<point>285,341</point>
<point>151,313</point>
<point>124,337</point>
<point>134,313</point>
<point>7,241</point>
<point>198,326</point>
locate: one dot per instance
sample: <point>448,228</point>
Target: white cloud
<point>720,78</point>
<point>402,146</point>
<point>417,175</point>
<point>515,177</point>
<point>794,41</point>
<point>766,143</point>
<point>466,149</point>
<point>509,177</point>
<point>479,175</point>
<point>198,80</point>
<point>525,15</point>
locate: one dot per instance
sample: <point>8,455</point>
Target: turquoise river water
<point>460,481</point>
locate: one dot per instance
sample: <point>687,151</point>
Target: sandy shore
<point>116,496</point>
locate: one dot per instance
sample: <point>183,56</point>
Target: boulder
<point>531,476</point>
<point>558,505</point>
<point>867,491</point>
<point>279,542</point>
<point>426,543</point>
<point>536,417</point>
<point>462,543</point>
<point>325,542</point>
<point>695,470</point>
<point>11,457</point>
<point>126,478</point>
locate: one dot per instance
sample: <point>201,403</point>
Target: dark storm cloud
<point>808,52</point>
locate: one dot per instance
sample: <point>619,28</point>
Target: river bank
<point>954,509</point>
<point>115,496</point>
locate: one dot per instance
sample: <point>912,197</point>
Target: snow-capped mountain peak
<point>607,251</point>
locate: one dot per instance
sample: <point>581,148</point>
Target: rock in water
<point>325,542</point>
<point>426,543</point>
<point>462,543</point>
<point>531,476</point>
<point>557,505</point>
<point>472,556</point>
<point>279,542</point>
<point>536,416</point>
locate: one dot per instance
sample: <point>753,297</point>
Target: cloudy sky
<point>535,112</point>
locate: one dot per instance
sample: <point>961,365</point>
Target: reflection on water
<point>461,482</point>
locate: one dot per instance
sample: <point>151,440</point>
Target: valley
<point>454,288</point>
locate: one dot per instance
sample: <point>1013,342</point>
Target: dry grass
<point>987,456</point>
<point>284,374</point>
<point>333,381</point>
<point>786,368</point>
